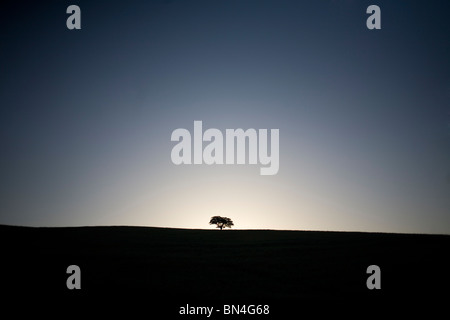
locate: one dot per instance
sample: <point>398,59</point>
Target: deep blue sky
<point>364,115</point>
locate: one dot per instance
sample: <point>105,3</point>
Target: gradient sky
<point>364,115</point>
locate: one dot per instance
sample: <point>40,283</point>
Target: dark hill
<point>233,265</point>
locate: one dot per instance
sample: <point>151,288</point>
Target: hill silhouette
<point>237,265</point>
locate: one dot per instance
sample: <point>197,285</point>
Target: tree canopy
<point>221,222</point>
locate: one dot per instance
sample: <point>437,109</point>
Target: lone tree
<point>222,222</point>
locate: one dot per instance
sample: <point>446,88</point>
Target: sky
<point>363,115</point>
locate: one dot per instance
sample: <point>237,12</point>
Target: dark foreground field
<point>193,266</point>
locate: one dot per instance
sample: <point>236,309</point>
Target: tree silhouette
<point>221,222</point>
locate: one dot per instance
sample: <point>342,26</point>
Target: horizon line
<point>211,229</point>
